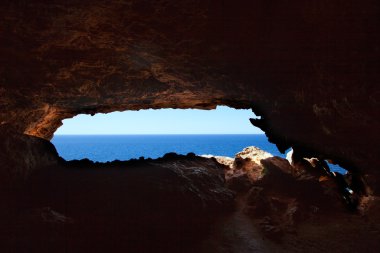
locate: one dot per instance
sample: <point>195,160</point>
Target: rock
<point>171,155</point>
<point>191,154</point>
<point>270,229</point>
<point>147,201</point>
<point>200,181</point>
<point>289,157</point>
<point>22,154</point>
<point>45,215</point>
<point>243,170</point>
<point>286,195</point>
<point>239,182</point>
<point>257,204</point>
<point>247,163</point>
<point>250,161</point>
<point>201,177</point>
<point>254,154</point>
<point>224,160</point>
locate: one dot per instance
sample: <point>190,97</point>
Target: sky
<point>223,120</point>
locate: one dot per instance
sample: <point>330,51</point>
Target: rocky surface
<point>278,195</point>
<point>148,205</point>
<point>309,69</point>
<point>292,207</point>
<point>21,154</point>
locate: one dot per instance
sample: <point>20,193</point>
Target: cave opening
<point>153,133</point>
<point>127,135</point>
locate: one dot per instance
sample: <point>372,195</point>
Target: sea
<point>103,148</point>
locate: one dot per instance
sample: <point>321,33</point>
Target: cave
<point>308,70</point>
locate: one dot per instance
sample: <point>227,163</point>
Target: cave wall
<point>308,68</point>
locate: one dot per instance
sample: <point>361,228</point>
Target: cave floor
<point>147,209</point>
<point>349,232</point>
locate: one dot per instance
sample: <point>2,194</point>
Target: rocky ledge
<point>278,195</point>
<point>303,206</point>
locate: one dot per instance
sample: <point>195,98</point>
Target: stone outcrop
<point>278,195</point>
<point>309,69</point>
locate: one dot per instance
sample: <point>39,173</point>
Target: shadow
<point>163,205</point>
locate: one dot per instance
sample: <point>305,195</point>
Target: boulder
<point>22,154</point>
<point>279,195</point>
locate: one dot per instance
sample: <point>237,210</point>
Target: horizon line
<point>170,134</point>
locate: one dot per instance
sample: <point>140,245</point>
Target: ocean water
<point>103,148</point>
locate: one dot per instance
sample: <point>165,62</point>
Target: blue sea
<point>103,148</point>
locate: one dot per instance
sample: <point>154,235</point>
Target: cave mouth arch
<point>153,133</point>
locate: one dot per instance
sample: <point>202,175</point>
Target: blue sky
<point>223,120</point>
